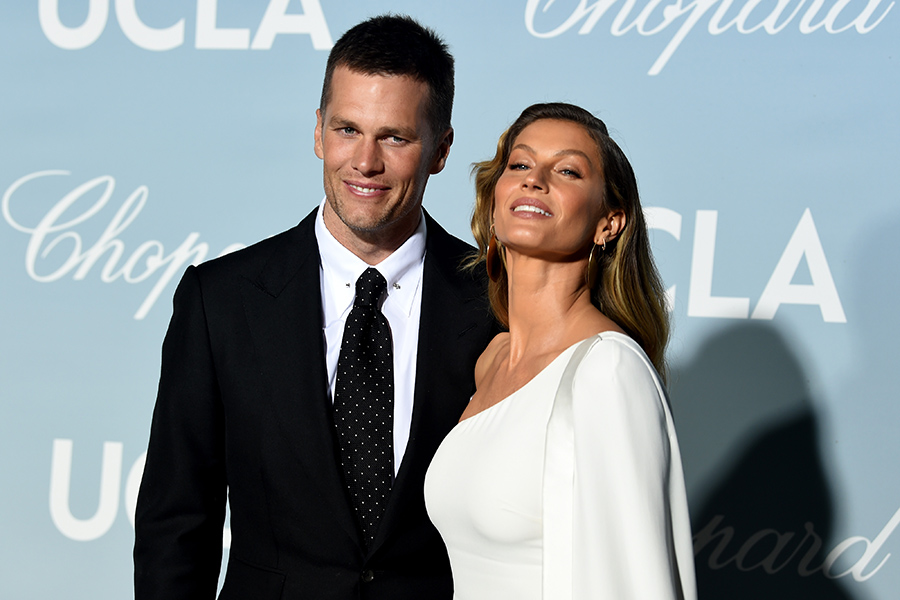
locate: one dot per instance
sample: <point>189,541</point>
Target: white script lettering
<point>52,232</point>
<point>781,553</point>
<point>650,21</point>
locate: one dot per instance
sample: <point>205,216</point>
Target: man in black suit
<point>245,396</point>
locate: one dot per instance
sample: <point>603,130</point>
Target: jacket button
<point>367,575</point>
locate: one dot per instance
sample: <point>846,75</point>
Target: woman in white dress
<point>563,478</point>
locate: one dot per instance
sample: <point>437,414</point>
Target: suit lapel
<point>284,312</point>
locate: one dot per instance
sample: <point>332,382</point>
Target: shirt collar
<point>341,268</point>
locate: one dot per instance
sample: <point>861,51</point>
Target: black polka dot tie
<point>364,403</point>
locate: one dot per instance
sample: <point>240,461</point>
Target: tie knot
<point>369,288</point>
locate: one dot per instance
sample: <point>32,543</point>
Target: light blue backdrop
<point>137,137</point>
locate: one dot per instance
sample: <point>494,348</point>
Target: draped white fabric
<point>571,487</point>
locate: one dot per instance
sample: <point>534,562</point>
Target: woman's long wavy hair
<point>628,288</point>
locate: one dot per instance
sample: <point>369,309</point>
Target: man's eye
<point>347,130</point>
<point>396,140</point>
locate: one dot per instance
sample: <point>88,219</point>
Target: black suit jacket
<point>243,409</point>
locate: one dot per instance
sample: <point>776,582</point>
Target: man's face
<point>378,151</point>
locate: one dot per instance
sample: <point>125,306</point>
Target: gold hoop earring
<point>593,267</point>
<point>493,261</point>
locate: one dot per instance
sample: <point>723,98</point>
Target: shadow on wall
<point>761,507</point>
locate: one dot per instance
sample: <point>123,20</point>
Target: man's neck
<point>371,246</point>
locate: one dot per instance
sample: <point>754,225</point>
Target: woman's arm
<point>630,529</point>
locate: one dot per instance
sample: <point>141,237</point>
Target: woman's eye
<point>517,167</point>
<point>570,173</point>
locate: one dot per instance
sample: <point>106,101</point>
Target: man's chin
<point>365,224</point>
<point>371,225</point>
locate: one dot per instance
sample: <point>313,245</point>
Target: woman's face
<point>548,202</point>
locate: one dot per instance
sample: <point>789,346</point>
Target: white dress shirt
<point>339,270</point>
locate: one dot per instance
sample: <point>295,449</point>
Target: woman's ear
<point>610,227</point>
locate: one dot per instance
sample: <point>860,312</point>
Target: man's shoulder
<point>445,247</point>
<point>440,240</point>
<point>450,256</point>
<point>291,246</point>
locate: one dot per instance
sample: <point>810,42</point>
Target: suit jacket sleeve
<point>630,533</point>
<point>181,504</point>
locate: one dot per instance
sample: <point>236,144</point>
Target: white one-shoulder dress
<point>571,487</point>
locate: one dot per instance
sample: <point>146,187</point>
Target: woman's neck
<point>549,306</point>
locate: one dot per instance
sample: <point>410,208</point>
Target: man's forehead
<point>348,85</point>
<point>392,101</point>
<point>347,70</point>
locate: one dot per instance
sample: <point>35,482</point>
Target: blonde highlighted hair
<point>628,287</point>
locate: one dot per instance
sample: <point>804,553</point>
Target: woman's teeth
<point>531,208</point>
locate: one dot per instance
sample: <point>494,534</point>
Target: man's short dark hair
<point>397,45</point>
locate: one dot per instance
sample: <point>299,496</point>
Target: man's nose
<point>367,157</point>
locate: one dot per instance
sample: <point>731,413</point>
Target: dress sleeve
<point>181,503</point>
<point>630,535</point>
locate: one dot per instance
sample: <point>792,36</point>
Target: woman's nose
<point>535,178</point>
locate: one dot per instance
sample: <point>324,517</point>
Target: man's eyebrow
<point>340,122</point>
<point>406,133</point>
<point>401,132</point>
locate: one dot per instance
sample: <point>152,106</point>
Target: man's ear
<point>318,135</point>
<point>441,152</point>
<point>610,227</point>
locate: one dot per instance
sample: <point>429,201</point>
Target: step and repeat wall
<point>140,136</point>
